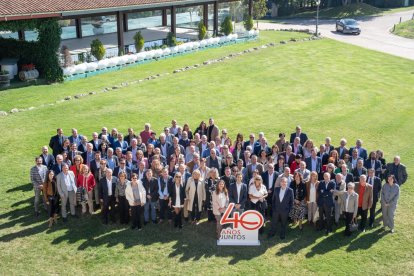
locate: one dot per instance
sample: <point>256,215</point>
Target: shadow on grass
<point>22,188</point>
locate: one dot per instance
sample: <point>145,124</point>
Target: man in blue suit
<point>373,163</point>
<point>362,153</point>
<point>238,193</point>
<point>314,162</point>
<point>282,203</point>
<point>75,138</point>
<point>325,201</point>
<point>56,142</point>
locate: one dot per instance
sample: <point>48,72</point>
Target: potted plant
<point>4,78</point>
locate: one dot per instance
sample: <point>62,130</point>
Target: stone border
<point>157,76</point>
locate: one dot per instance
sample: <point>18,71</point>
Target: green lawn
<point>329,88</point>
<point>405,29</point>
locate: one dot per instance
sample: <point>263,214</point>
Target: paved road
<point>375,33</point>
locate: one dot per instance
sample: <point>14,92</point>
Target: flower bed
<point>116,63</point>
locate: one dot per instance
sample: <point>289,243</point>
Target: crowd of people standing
<point>182,175</point>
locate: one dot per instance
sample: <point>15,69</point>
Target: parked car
<point>348,26</point>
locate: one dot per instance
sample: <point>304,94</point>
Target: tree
<point>97,49</point>
<point>139,42</point>
<point>227,26</point>
<point>259,10</point>
<point>248,23</point>
<point>202,31</point>
<point>171,40</point>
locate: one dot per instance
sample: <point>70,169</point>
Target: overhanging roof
<point>26,9</point>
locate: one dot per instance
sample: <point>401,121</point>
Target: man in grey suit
<point>67,190</point>
<point>254,166</point>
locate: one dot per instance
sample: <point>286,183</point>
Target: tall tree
<point>259,10</point>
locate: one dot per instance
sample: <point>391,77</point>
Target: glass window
<point>30,35</point>
<point>8,34</point>
<point>236,10</point>
<point>189,17</point>
<point>68,28</point>
<point>211,17</point>
<point>98,25</point>
<point>142,20</point>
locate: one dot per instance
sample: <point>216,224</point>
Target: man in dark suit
<point>75,138</point>
<point>73,152</point>
<point>346,176</point>
<point>238,194</point>
<point>288,155</point>
<point>342,149</point>
<point>88,156</point>
<point>95,141</point>
<point>262,145</point>
<point>163,145</point>
<point>122,168</point>
<point>228,178</point>
<point>95,165</point>
<point>398,170</point>
<point>314,162</point>
<point>150,184</point>
<point>107,196</point>
<point>82,147</point>
<point>269,179</point>
<point>375,182</point>
<point>303,137</point>
<point>282,203</point>
<point>251,142</point>
<point>373,163</point>
<point>47,159</point>
<point>362,153</point>
<point>323,155</point>
<point>184,141</point>
<point>56,142</point>
<point>212,130</point>
<point>172,148</point>
<point>359,170</point>
<point>165,185</point>
<point>254,166</point>
<point>58,166</point>
<point>297,147</point>
<point>325,201</point>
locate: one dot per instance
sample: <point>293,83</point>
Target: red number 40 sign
<point>249,220</point>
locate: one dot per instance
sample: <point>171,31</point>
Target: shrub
<point>227,26</point>
<point>97,49</point>
<point>248,23</point>
<point>139,42</point>
<point>202,31</point>
<point>171,40</point>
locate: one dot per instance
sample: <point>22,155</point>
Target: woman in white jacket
<point>136,196</point>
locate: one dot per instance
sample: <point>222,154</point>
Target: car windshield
<point>350,22</point>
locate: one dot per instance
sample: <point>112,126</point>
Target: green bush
<point>97,49</point>
<point>202,31</point>
<point>139,42</point>
<point>171,40</point>
<point>248,23</point>
<point>227,26</point>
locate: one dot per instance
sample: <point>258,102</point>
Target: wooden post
<point>125,21</point>
<point>205,15</point>
<point>215,25</point>
<point>173,21</point>
<point>120,31</point>
<point>78,23</point>
<point>164,17</point>
<point>21,34</point>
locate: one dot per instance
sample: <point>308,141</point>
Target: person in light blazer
<point>365,192</point>
<point>196,195</point>
<point>66,184</point>
<point>389,198</point>
<point>349,205</point>
<point>136,196</point>
<point>177,198</point>
<point>220,204</point>
<point>312,197</point>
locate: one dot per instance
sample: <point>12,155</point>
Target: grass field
<point>329,88</point>
<point>405,29</point>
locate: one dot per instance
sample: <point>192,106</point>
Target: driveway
<point>375,33</point>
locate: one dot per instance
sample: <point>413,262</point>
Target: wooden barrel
<point>29,75</point>
<point>4,81</point>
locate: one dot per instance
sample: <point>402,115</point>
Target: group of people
<point>182,174</point>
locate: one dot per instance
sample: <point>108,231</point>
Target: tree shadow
<point>22,188</point>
